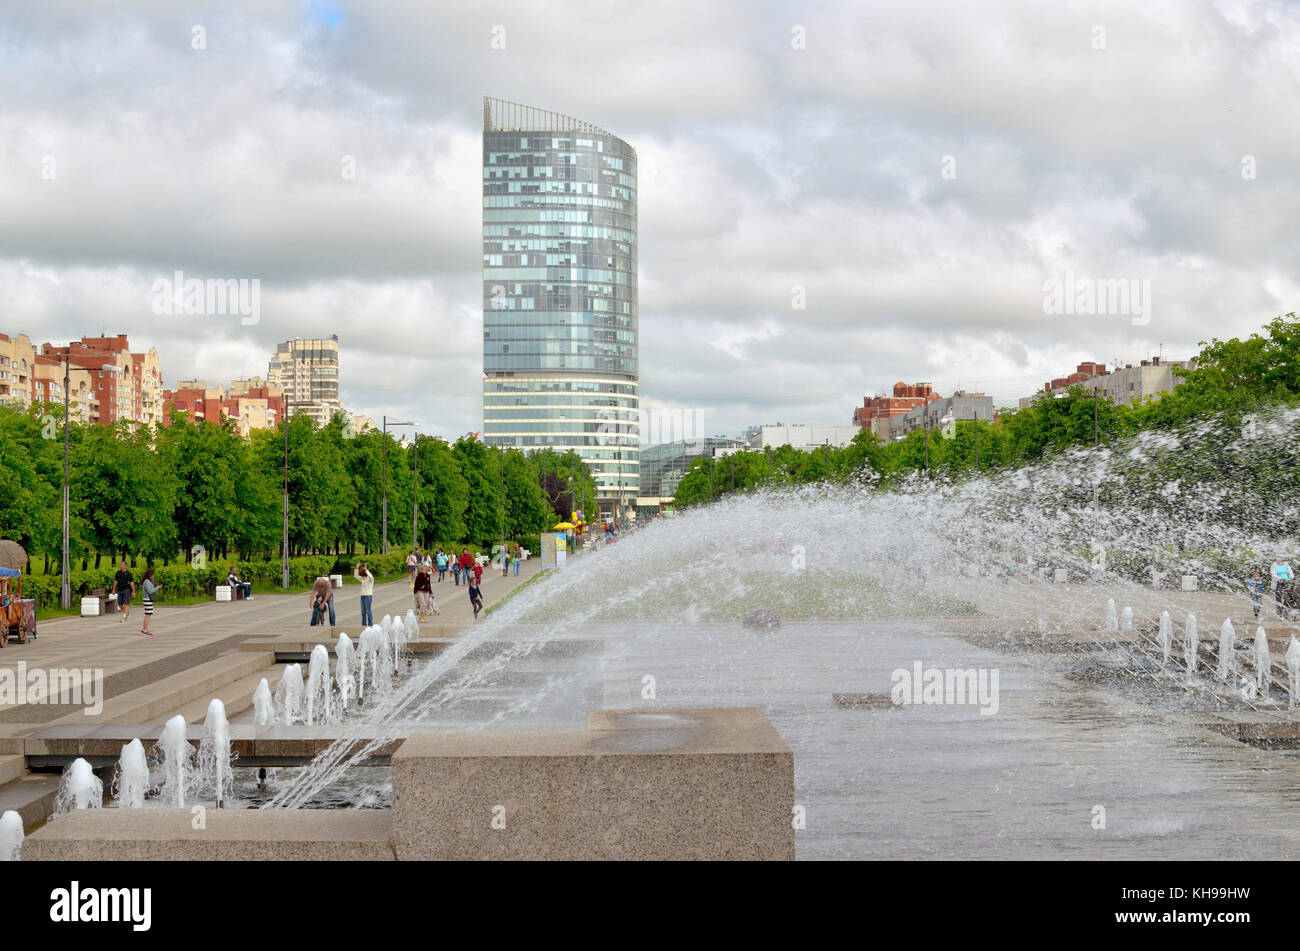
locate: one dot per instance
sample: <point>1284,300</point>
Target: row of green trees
<point>193,484</point>
<point>1232,379</point>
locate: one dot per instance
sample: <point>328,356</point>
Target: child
<point>1255,585</point>
<point>475,597</point>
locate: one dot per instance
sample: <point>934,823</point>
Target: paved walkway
<point>185,636</point>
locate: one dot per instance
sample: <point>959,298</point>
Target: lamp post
<point>284,542</point>
<point>415,494</point>
<point>383,537</point>
<point>65,589</point>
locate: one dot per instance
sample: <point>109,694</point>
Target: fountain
<point>1293,671</point>
<point>1165,638</point>
<point>177,757</point>
<point>318,686</point>
<point>132,776</point>
<point>263,704</point>
<point>11,836</point>
<point>1227,652</point>
<point>411,625</point>
<point>666,606</point>
<point>79,788</point>
<point>370,646</point>
<point>288,694</point>
<point>1263,663</point>
<point>214,752</point>
<point>1189,647</point>
<point>344,654</point>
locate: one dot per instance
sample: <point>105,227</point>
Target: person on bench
<point>232,579</point>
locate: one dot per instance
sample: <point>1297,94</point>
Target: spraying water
<point>132,776</point>
<point>1227,651</point>
<point>318,686</point>
<point>1263,663</point>
<point>79,788</point>
<point>263,704</point>
<point>344,654</point>
<point>11,836</point>
<point>1165,638</point>
<point>1293,671</point>
<point>288,694</point>
<point>1126,620</point>
<point>672,595</point>
<point>178,756</point>
<point>214,752</point>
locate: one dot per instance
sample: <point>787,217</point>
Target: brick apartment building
<point>876,411</point>
<point>121,385</point>
<point>106,380</point>
<point>252,404</point>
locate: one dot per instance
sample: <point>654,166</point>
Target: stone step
<point>236,695</point>
<point>11,768</point>
<point>32,797</point>
<point>147,704</point>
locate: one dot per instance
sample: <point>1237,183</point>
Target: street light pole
<point>65,588</point>
<point>384,529</point>
<point>925,432</point>
<point>415,495</point>
<point>383,537</point>
<point>977,439</point>
<point>284,545</point>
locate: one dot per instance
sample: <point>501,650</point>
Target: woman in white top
<point>363,575</point>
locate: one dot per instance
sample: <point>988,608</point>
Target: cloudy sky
<point>918,173</point>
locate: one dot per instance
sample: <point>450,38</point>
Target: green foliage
<point>201,484</point>
<point>1232,379</point>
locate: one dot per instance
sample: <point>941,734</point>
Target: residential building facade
<point>306,371</point>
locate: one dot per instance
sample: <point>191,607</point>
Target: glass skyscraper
<point>559,293</point>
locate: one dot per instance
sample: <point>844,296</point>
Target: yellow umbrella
<point>564,525</point>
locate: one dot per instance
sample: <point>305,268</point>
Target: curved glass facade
<point>559,291</point>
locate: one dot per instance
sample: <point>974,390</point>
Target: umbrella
<point>564,525</point>
<point>12,554</point>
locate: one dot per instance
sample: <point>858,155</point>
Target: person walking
<point>1282,591</point>
<point>478,573</point>
<point>423,592</point>
<point>517,559</point>
<point>410,570</point>
<point>362,573</point>
<point>476,597</point>
<point>123,587</point>
<point>466,562</point>
<point>148,591</point>
<point>1255,585</point>
<point>442,564</point>
<point>505,563</point>
<point>455,571</point>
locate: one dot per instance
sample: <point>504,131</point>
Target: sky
<point>833,197</point>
